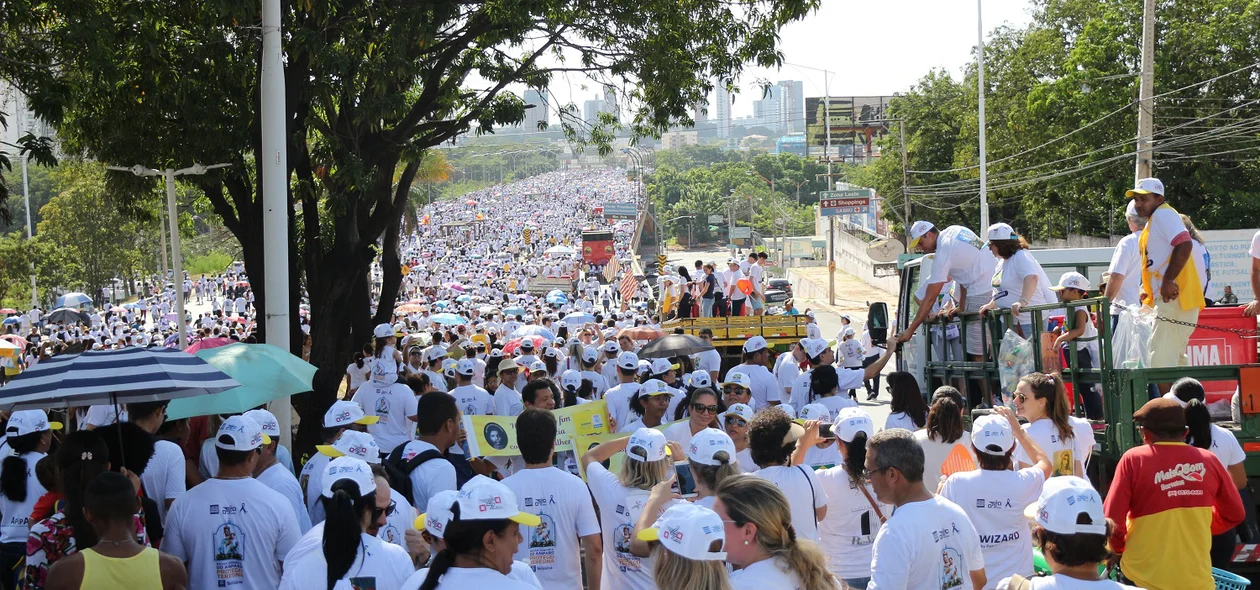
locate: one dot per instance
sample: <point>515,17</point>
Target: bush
<point>208,263</point>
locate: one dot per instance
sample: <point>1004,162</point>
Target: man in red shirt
<point>1167,500</point>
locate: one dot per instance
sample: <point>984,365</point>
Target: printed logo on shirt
<point>626,561</point>
<point>1178,475</point>
<point>363,583</point>
<point>1064,463</point>
<point>229,562</point>
<point>382,409</point>
<point>966,236</point>
<point>951,573</point>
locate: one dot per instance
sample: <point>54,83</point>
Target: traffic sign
<point>620,210</point>
<point>846,202</point>
<point>716,219</point>
<point>741,232</point>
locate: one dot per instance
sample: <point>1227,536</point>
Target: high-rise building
<point>591,110</point>
<point>538,114</point>
<point>19,119</point>
<point>722,110</point>
<point>700,114</point>
<point>610,101</point>
<point>791,106</point>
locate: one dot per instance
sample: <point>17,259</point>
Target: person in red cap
<point>1167,499</point>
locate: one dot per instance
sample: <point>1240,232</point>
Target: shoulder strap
<point>874,506</point>
<point>1018,582</point>
<point>812,498</point>
<point>422,458</point>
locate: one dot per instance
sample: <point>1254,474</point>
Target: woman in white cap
<point>848,535</point>
<point>1018,279</point>
<point>387,359</point>
<point>703,410</point>
<point>761,540</point>
<point>622,498</point>
<point>735,422</point>
<point>29,434</point>
<point>649,403</point>
<point>712,457</point>
<point>689,542</point>
<point>1070,527</point>
<point>350,557</point>
<point>480,538</point>
<point>994,496</point>
<point>432,526</point>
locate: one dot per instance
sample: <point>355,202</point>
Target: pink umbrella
<point>14,338</point>
<point>205,343</point>
<point>515,343</point>
<point>455,287</point>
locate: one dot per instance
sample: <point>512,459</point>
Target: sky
<point>871,48</point>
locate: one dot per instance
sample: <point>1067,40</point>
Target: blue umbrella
<point>266,373</point>
<point>441,304</point>
<point>578,319</point>
<point>10,320</point>
<point>555,293</point>
<point>73,300</point>
<point>463,299</point>
<point>516,310</point>
<point>448,319</point>
<point>557,299</point>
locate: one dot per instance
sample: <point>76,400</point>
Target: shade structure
<point>126,375</point>
<point>560,251</point>
<point>73,300</point>
<point>266,373</point>
<point>672,345</point>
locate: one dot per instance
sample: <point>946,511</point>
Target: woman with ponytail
<point>1066,439</point>
<point>82,456</point>
<point>848,536</point>
<point>943,432</point>
<point>349,553</point>
<point>29,434</point>
<point>762,542</point>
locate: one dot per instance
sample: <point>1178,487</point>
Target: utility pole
<point>905,181</point>
<point>1146,90</point>
<point>831,230</point>
<point>984,196</point>
<point>274,168</point>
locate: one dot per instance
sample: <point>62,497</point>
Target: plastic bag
<point>1015,359</point>
<point>1131,345</point>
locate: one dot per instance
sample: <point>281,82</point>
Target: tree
<point>370,86</point>
<point>87,229</point>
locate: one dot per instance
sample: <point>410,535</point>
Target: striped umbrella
<point>125,375</point>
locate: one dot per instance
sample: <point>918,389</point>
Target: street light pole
<point>273,165</point>
<point>984,196</point>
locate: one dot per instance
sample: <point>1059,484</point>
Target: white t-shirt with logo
<point>926,544</point>
<point>619,509</point>
<point>1164,225</point>
<point>935,452</point>
<point>1226,447</point>
<point>804,493</point>
<point>395,404</point>
<point>1008,283</point>
<point>564,506</point>
<point>397,523</point>
<point>853,354</point>
<point>432,476</point>
<point>309,480</point>
<point>507,401</point>
<point>473,400</point>
<point>1063,454</point>
<point>962,256</point>
<point>1127,261</point>
<point>462,578</point>
<point>995,502</point>
<point>16,523</point>
<point>765,388</point>
<point>231,533</point>
<point>767,574</point>
<point>847,535</point>
<point>377,564</point>
<point>280,479</point>
<point>1057,582</point>
<point>847,379</point>
<point>618,400</point>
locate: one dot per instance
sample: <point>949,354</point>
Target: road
<point>828,321</point>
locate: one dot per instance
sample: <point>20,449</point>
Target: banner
<point>580,420</point>
<point>586,443</point>
<point>491,436</point>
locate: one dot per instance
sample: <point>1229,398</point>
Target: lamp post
<point>172,214</point>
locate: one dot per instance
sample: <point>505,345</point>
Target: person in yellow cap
<point>1172,281</point>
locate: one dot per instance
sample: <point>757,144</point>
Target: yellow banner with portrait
<point>491,436</point>
<point>580,420</point>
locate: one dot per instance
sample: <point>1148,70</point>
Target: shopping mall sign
<point>846,202</point>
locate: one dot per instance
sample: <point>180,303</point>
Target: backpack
<point>398,470</point>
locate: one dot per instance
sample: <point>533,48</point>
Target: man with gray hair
<point>1124,282</point>
<point>928,542</point>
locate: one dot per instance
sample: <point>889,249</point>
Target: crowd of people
<point>764,475</point>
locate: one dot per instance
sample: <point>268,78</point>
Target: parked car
<point>780,284</point>
<point>776,296</point>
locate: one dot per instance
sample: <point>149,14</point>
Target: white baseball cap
<point>24,422</point>
<point>992,431</point>
<point>353,443</point>
<point>538,367</point>
<point>700,379</point>
<point>788,409</point>
<point>551,352</point>
<point>1072,280</point>
<point>742,410</point>
<point>438,514</point>
<point>814,347</point>
<point>851,421</point>
<point>611,346</point>
<point>527,342</point>
<point>466,367</point>
<point>435,352</point>
<point>266,421</point>
<point>707,443</point>
<point>1061,502</point>
<point>590,354</point>
<point>654,387</point>
<point>448,367</point>
<point>1131,211</point>
<point>571,379</point>
<point>849,332</point>
<point>483,498</point>
<point>755,344</point>
<point>662,366</point>
<point>351,468</point>
<point>651,441</point>
<point>383,331</point>
<point>738,378</point>
<point>689,531</point>
<point>816,412</point>
<point>344,413</point>
<point>1146,186</point>
<point>496,353</point>
<point>628,361</point>
<point>237,433</point>
<point>1002,231</point>
<point>917,230</point>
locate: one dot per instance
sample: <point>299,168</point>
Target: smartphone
<point>824,431</point>
<point>685,483</point>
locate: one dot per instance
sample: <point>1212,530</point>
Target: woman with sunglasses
<point>735,422</point>
<point>1066,439</point>
<point>737,389</point>
<point>703,413</point>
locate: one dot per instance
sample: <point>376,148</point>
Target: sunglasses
<point>387,511</point>
<point>733,389</point>
<point>702,409</point>
<point>1021,397</point>
<point>740,422</point>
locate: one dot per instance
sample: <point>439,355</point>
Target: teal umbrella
<point>265,372</point>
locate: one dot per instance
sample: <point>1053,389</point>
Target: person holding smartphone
<point>711,457</point>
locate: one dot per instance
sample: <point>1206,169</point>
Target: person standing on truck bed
<point>1166,500</point>
<point>1124,283</point>
<point>961,256</point>
<point>1167,265</point>
<point>1018,279</point>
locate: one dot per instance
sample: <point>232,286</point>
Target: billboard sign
<point>620,210</point>
<point>847,202</point>
<point>854,122</point>
<point>716,219</point>
<point>741,233</point>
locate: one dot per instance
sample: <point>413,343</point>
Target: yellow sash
<point>1190,291</point>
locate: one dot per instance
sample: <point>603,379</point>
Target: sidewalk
<point>853,296</point>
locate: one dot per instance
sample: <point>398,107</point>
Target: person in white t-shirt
<point>943,434</point>
<point>562,504</point>
<point>439,430</point>
<point>960,256</point>
<point>507,399</point>
<point>849,534</point>
<point>471,399</point>
<point>994,497</point>
<point>775,442</point>
<point>394,405</point>
<point>1124,283</point>
<point>826,452</point>
<point>709,360</point>
<point>702,413</point>
<point>348,553</point>
<point>763,540</point>
<point>341,415</point>
<point>618,397</point>
<point>1066,439</point>
<point>274,474</point>
<point>623,497</point>
<point>1070,526</point>
<point>735,423</point>
<point>28,436</point>
<point>359,371</point>
<point>480,537</point>
<point>1018,279</point>
<point>433,524</point>
<point>765,389</point>
<point>163,477</point>
<point>928,541</point>
<point>232,529</point>
<point>787,367</point>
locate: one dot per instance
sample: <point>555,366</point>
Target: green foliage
<point>42,186</point>
<point>209,263</point>
<point>89,233</point>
